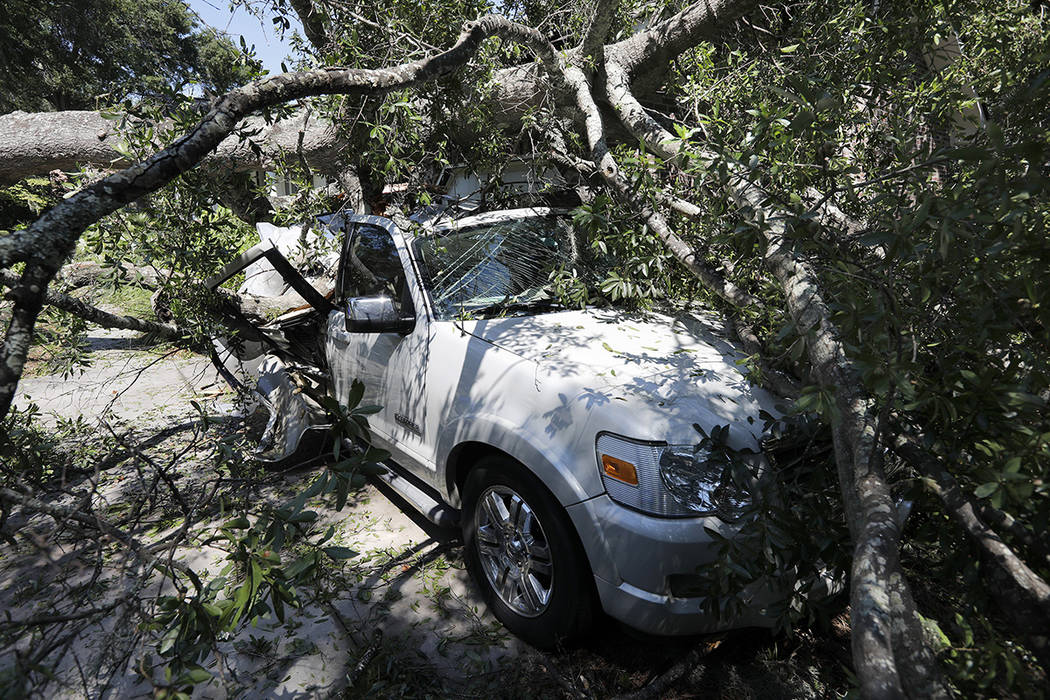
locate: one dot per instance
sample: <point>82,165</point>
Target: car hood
<point>646,375</point>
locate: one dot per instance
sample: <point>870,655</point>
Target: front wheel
<point>523,554</point>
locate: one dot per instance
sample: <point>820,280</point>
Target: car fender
<point>553,463</point>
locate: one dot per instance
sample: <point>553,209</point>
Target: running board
<point>429,506</point>
<point>441,514</point>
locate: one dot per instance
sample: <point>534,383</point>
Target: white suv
<point>563,439</point>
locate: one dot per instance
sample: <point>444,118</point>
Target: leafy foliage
<point>904,149</point>
<point>69,55</point>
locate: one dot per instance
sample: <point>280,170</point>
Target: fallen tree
<point>691,169</point>
<point>37,143</point>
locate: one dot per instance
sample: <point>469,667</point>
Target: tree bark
<point>313,23</point>
<point>644,56</point>
<point>86,273</point>
<point>99,317</point>
<point>593,46</point>
<point>37,143</point>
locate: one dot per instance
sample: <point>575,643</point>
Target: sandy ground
<point>408,579</point>
<point>124,382</point>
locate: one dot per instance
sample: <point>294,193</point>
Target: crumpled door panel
<point>280,362</point>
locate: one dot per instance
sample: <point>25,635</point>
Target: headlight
<point>672,480</point>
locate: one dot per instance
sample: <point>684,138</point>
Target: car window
<point>490,266</point>
<point>373,267</point>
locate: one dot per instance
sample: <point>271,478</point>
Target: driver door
<point>391,365</point>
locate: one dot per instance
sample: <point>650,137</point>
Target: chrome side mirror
<point>376,315</point>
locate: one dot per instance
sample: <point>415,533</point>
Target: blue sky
<point>238,22</point>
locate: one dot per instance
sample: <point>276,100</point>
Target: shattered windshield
<point>490,269</point>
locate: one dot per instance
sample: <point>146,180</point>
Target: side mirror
<point>376,315</point>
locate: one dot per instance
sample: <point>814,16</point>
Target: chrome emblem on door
<point>407,423</point>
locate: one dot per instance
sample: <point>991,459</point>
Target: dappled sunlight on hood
<point>666,373</point>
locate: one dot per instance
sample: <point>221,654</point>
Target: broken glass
<point>494,268</point>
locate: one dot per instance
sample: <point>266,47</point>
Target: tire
<point>524,555</point>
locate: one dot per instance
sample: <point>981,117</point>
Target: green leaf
<point>270,556</point>
<point>789,49</point>
<point>802,120</point>
<point>299,566</point>
<point>342,489</point>
<point>317,486</point>
<point>193,675</point>
<point>240,601</point>
<point>278,604</point>
<point>168,641</point>
<point>997,498</point>
<point>339,553</point>
<point>985,490</point>
<point>1019,397</point>
<point>357,391</point>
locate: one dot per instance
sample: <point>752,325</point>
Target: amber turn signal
<point>620,470</point>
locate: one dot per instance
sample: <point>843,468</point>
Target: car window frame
<point>418,295</point>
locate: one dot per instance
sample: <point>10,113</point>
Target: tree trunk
<point>34,144</point>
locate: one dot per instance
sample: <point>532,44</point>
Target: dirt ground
<point>406,595</point>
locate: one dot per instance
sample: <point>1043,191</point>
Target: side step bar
<point>430,506</point>
<point>441,514</point>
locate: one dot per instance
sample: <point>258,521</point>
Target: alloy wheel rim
<point>514,551</point>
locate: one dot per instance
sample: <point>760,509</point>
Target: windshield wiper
<point>502,307</point>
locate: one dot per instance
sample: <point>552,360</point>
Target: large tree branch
<point>592,47</point>
<point>965,514</point>
<point>85,273</point>
<point>653,49</point>
<point>37,143</point>
<point>577,83</point>
<point>46,243</point>
<point>520,88</point>
<point>95,315</point>
<point>52,233</point>
<point>634,116</point>
<point>889,651</point>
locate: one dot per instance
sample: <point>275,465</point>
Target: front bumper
<point>632,555</point>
